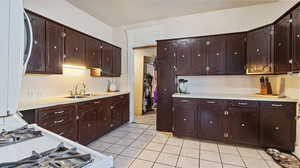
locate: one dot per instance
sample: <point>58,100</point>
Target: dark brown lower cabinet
<point>210,119</point>
<point>184,117</point>
<point>244,125</point>
<point>278,125</point>
<point>85,121</point>
<point>255,123</point>
<point>59,119</point>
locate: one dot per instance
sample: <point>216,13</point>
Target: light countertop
<point>252,97</point>
<point>53,101</point>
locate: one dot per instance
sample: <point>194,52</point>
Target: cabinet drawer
<point>67,131</point>
<point>243,103</point>
<point>213,102</point>
<point>185,100</point>
<point>56,115</point>
<point>86,105</point>
<point>278,105</point>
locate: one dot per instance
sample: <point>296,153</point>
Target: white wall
<point>40,86</point>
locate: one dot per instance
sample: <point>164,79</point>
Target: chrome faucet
<point>75,91</point>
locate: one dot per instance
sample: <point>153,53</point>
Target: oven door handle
<point>29,47</point>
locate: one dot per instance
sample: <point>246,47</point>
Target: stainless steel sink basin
<point>76,97</point>
<point>84,96</point>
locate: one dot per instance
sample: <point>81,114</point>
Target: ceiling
<point>126,12</point>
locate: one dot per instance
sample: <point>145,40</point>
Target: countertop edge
<point>70,101</point>
<point>233,97</point>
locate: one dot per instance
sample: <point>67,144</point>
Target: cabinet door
<point>244,125</point>
<point>184,56</point>
<point>166,59</point>
<point>54,48</point>
<point>199,58</point>
<point>259,55</point>
<point>215,51</point>
<point>296,39</point>
<point>184,117</point>
<point>278,125</point>
<point>235,54</point>
<point>211,117</point>
<point>125,108</point>
<point>87,123</point>
<point>92,53</point>
<point>36,62</point>
<point>117,62</point>
<point>282,45</point>
<point>74,48</point>
<point>107,59</point>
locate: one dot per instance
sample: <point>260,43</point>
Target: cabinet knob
<point>298,36</point>
<point>226,113</point>
<point>35,42</point>
<point>65,56</point>
<point>112,107</point>
<point>210,102</point>
<point>165,49</point>
<point>184,119</point>
<point>279,44</point>
<point>55,47</point>
<point>243,125</point>
<point>165,90</point>
<point>235,53</point>
<point>101,47</point>
<point>76,49</point>
<point>242,104</point>
<point>226,135</point>
<point>211,122</point>
<point>89,125</point>
<point>207,68</point>
<point>199,55</point>
<point>218,54</point>
<point>291,61</point>
<point>276,128</point>
<point>94,53</point>
<point>174,54</point>
<point>182,56</point>
<point>257,50</point>
<point>207,43</point>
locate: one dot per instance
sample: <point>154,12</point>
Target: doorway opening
<point>145,85</point>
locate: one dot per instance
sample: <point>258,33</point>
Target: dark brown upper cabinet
<point>235,54</point>
<point>260,51</point>
<point>107,59</point>
<point>92,53</point>
<point>36,62</point>
<point>117,59</point>
<point>183,55</point>
<point>215,55</point>
<point>199,58</point>
<point>282,46</point>
<point>54,48</point>
<point>74,48</point>
<point>296,39</point>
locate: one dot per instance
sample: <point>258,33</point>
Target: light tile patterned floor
<point>141,146</point>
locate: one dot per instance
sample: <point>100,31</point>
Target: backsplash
<point>42,86</point>
<point>240,84</point>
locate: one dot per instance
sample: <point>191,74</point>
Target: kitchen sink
<point>85,96</point>
<point>77,97</point>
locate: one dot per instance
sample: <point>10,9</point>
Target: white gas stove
<point>39,143</point>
